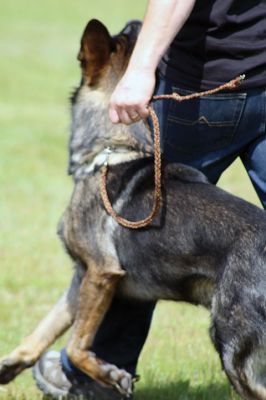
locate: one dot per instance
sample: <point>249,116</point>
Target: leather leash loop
<point>157,157</point>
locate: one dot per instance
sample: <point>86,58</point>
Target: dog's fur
<point>205,246</point>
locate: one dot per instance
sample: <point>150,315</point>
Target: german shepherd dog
<point>205,246</point>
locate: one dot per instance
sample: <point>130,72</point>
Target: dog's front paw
<point>10,368</point>
<point>119,379</point>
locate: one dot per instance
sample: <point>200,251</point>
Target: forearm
<point>162,22</point>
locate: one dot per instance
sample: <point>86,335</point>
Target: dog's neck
<point>92,133</point>
<point>108,156</point>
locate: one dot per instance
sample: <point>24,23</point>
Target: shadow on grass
<point>182,391</point>
<point>173,391</point>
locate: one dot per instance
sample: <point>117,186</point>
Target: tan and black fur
<point>205,246</point>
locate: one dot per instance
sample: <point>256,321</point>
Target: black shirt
<point>220,40</point>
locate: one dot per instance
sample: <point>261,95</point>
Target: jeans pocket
<point>202,125</point>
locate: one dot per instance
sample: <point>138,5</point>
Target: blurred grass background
<point>38,70</point>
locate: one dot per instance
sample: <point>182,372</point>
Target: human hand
<point>130,99</point>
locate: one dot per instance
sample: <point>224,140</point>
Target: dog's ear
<point>95,50</point>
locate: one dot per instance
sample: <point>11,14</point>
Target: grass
<point>38,46</point>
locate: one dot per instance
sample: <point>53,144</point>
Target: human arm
<point>163,20</point>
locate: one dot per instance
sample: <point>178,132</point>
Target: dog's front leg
<point>52,326</point>
<point>96,293</point>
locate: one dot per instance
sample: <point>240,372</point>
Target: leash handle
<point>157,157</point>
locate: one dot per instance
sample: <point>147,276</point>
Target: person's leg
<point>254,160</point>
<point>121,335</point>
<point>210,133</point>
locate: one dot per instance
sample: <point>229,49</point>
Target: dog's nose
<point>132,27</point>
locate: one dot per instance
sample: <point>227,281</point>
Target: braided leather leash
<point>157,157</point>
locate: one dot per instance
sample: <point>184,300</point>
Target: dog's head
<point>103,55</point>
<point>103,60</point>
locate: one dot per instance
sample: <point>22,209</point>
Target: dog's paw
<point>119,379</point>
<point>9,369</point>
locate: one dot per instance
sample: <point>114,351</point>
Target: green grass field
<point>38,70</point>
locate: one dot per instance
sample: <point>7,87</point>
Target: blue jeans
<point>208,134</point>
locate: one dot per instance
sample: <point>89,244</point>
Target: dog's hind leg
<point>96,293</point>
<point>52,326</point>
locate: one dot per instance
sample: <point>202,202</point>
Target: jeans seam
<point>263,114</point>
<point>242,107</point>
<point>200,122</point>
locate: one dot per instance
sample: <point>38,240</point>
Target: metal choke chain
<point>157,157</point>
